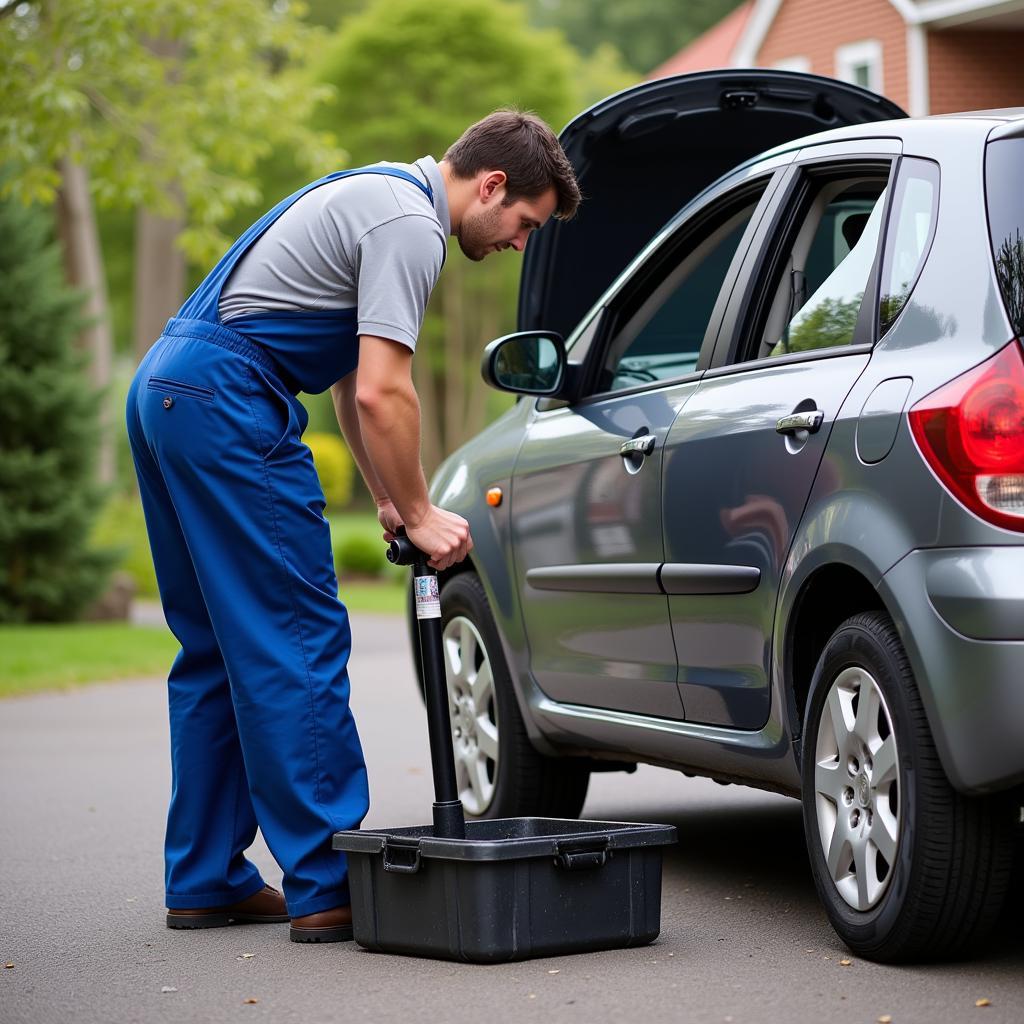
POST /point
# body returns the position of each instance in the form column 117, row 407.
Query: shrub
column 360, row 555
column 333, row 465
column 122, row 526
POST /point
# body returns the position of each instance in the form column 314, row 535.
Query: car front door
column 742, row 455
column 586, row 493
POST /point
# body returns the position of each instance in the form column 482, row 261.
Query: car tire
column 906, row 867
column 518, row 781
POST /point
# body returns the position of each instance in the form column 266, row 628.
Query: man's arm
column 379, row 414
column 343, row 394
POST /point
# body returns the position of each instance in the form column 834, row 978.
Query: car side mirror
column 526, row 363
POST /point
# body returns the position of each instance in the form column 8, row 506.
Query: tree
column 1010, row 272
column 645, row 32
column 48, row 421
column 829, row 323
column 159, row 105
column 409, row 77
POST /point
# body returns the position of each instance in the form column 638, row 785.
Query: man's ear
column 492, row 185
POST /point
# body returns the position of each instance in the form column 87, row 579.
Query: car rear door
column 742, row 455
column 587, row 491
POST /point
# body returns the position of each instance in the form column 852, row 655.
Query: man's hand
column 443, row 535
column 389, row 519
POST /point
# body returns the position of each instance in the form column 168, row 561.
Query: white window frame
column 865, row 52
column 801, row 64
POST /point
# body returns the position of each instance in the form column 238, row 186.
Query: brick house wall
column 817, row 28
column 975, row 70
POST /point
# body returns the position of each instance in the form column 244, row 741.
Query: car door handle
column 643, row 445
column 809, row 421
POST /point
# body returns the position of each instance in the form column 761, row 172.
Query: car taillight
column 971, row 432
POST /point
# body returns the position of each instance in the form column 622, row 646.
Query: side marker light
column 494, row 496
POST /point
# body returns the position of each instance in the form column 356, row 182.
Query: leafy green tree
column 646, row 32
column 409, row 77
column 48, row 422
column 156, row 96
column 162, row 106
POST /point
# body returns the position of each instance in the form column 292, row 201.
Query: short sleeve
column 397, row 266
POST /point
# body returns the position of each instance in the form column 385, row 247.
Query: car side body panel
column 885, row 518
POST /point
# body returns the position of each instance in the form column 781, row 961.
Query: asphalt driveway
column 83, row 789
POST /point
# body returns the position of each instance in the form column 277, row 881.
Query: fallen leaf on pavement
column 8, row 965
column 885, row 1019
column 246, row 956
column 982, row 1002
column 250, row 1000
column 168, row 988
column 845, row 963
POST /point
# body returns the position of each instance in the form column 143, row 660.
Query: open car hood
column 642, row 154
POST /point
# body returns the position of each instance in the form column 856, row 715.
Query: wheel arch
column 826, row 597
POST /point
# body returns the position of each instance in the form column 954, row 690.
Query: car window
column 819, row 282
column 1004, row 168
column 662, row 333
column 911, row 226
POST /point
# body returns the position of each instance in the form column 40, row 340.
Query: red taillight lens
column 971, row 432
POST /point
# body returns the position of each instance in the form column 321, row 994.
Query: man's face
column 490, row 226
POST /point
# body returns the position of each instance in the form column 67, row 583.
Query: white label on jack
column 428, row 600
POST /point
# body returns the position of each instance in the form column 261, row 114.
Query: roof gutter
column 952, row 12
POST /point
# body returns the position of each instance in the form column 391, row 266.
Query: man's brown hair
column 526, row 149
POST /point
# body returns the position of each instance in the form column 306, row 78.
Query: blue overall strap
column 203, row 303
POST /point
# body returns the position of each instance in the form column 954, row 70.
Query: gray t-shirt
column 369, row 241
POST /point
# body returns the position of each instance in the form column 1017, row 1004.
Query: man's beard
column 478, row 235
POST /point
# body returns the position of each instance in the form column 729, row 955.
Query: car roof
column 971, row 122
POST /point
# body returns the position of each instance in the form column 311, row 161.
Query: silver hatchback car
column 759, row 515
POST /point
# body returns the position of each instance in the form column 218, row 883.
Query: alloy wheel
column 857, row 788
column 473, row 712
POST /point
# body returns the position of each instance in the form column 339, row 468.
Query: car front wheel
column 906, row 867
column 498, row 771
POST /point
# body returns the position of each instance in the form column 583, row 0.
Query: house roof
column 712, row 49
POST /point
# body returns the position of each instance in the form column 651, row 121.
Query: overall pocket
column 280, row 417
column 179, row 387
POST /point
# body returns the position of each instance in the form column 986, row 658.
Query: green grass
column 54, row 657
column 47, row 657
column 374, row 598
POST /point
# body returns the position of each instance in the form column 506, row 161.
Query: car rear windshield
column 1004, row 171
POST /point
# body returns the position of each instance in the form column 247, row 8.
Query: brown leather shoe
column 334, row 925
column 264, row 907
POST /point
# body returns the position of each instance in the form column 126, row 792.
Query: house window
column 861, row 64
column 802, row 64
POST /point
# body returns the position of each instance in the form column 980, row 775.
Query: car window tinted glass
column 1004, row 171
column 911, row 225
column 817, row 296
column 663, row 338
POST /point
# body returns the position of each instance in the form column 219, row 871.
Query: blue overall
column 261, row 730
